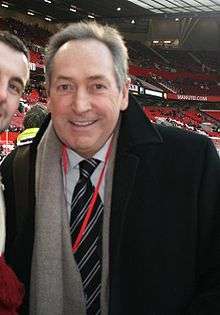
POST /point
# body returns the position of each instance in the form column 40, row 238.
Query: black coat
column 165, row 221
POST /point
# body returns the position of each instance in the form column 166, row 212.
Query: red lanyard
column 90, row 209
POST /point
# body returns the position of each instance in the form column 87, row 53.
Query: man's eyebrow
column 89, row 78
column 62, row 77
column 98, row 77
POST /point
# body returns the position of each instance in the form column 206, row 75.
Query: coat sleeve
column 6, row 170
column 207, row 298
column 2, row 222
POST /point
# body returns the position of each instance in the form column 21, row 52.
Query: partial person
column 32, row 123
column 14, row 74
column 116, row 216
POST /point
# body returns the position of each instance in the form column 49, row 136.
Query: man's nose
column 3, row 92
column 81, row 102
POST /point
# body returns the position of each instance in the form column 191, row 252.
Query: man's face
column 14, row 72
column 84, row 99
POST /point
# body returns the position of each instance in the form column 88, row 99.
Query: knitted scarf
column 56, row 286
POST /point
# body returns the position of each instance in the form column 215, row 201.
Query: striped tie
column 88, row 255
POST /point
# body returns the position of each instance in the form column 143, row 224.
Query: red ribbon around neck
column 91, row 205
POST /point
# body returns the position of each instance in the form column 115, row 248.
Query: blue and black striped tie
column 89, row 253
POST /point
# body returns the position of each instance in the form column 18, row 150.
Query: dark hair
column 35, row 116
column 14, row 42
column 105, row 34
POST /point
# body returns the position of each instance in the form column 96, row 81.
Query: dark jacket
column 165, row 221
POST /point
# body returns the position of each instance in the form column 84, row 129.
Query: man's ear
column 125, row 94
column 47, row 87
column 48, row 104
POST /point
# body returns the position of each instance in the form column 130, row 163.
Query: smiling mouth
column 83, row 123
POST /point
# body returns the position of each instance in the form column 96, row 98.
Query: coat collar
column 136, row 129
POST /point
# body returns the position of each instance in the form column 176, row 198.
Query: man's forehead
column 11, row 50
column 83, row 47
column 14, row 62
column 92, row 60
column 89, row 53
column 83, row 42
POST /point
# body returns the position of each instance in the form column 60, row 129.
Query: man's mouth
column 83, row 123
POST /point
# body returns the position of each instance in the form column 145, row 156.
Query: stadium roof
column 73, row 10
column 128, row 15
column 178, row 6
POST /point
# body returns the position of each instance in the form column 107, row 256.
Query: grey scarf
column 56, row 286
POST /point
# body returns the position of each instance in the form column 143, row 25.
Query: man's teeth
column 82, row 123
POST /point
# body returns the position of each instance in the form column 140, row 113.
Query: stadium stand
column 175, row 72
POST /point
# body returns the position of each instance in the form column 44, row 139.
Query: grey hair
column 107, row 35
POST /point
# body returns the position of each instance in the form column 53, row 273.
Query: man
column 117, row 216
column 32, row 122
column 14, row 74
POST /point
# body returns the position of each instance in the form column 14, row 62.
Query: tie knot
column 87, row 167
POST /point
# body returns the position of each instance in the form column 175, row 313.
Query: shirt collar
column 74, row 158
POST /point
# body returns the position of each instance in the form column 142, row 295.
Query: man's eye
column 100, row 86
column 62, row 88
column 15, row 88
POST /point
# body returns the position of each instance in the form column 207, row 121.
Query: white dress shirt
column 72, row 176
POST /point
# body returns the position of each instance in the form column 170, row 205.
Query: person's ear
column 125, row 94
column 47, row 87
column 48, row 104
